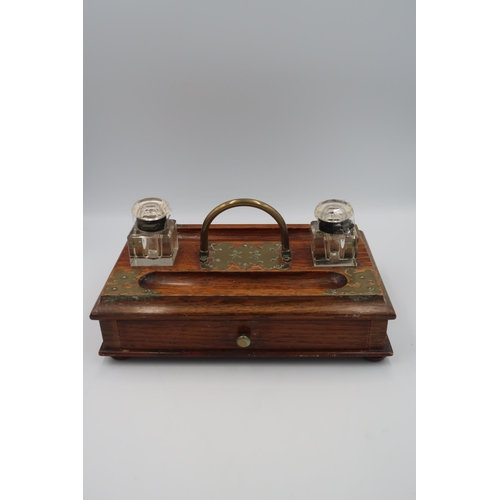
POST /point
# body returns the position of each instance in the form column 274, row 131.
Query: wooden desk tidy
column 233, row 305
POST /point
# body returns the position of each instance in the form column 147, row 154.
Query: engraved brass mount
column 127, row 284
column 359, row 283
column 225, row 255
column 286, row 255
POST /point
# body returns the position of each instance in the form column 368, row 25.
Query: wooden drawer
column 263, row 334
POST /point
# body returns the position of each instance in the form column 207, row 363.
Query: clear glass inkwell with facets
column 334, row 234
column 153, row 238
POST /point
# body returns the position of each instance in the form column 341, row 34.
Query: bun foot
column 120, row 358
column 375, row 358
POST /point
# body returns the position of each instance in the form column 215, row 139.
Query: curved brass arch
column 245, row 202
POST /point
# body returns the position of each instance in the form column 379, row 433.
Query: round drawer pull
column 243, row 341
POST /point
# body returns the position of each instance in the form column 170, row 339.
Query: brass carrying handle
column 286, row 255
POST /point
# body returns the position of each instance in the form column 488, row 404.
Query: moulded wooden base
column 242, row 353
column 186, row 311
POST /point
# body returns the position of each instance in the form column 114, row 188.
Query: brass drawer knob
column 243, row 341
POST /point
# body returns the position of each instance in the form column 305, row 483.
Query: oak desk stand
column 236, row 307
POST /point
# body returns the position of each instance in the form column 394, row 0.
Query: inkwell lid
column 151, row 214
column 334, row 216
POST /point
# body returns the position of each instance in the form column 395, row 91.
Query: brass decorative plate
column 360, row 283
column 224, row 255
column 123, row 284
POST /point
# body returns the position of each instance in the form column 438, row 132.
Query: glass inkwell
column 153, row 238
column 335, row 236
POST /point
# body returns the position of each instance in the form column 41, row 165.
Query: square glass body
column 334, row 249
column 158, row 248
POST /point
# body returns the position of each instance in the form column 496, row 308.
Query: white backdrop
column 291, row 103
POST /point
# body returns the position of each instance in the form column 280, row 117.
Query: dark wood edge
column 136, row 310
column 244, row 353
